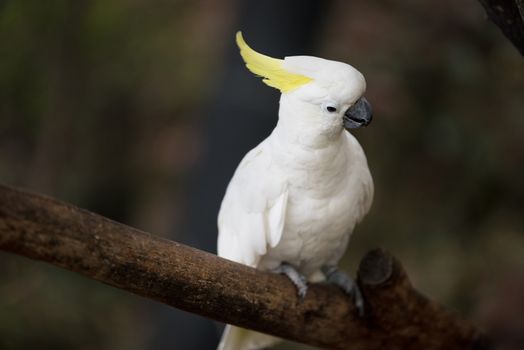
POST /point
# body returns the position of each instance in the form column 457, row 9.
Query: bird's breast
column 319, row 219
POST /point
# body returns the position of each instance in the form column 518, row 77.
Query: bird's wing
column 252, row 214
column 366, row 200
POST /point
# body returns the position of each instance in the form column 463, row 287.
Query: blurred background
column 141, row 110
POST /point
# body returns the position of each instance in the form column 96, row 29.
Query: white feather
column 239, row 338
column 252, row 214
column 297, row 196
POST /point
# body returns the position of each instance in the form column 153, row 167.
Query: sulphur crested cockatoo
column 294, row 199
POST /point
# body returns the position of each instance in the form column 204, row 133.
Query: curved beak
column 358, row 115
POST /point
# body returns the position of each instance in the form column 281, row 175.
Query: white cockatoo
column 294, row 199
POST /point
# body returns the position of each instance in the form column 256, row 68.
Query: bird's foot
column 298, row 280
column 348, row 285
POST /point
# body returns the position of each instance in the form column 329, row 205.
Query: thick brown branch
column 46, row 229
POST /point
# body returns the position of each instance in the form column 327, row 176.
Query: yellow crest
column 270, row 68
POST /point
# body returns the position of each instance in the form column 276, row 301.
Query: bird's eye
column 330, row 107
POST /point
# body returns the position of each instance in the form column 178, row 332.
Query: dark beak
column 358, row 115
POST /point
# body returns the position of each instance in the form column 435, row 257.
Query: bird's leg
column 298, row 280
column 348, row 285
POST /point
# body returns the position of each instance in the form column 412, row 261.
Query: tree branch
column 508, row 15
column 398, row 317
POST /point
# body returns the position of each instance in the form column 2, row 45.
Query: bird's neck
column 299, row 142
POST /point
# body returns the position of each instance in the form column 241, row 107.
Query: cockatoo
column 294, row 199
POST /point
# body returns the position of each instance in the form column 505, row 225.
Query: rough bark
column 508, row 15
column 398, row 317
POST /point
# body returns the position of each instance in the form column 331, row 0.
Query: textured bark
column 508, row 15
column 398, row 317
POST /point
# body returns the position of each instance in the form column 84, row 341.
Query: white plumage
column 297, row 196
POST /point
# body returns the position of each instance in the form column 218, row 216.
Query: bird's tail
column 235, row 338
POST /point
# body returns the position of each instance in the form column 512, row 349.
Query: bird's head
column 325, row 91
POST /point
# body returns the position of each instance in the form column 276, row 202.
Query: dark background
column 141, row 110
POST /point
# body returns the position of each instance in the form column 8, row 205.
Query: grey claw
column 298, row 280
column 302, row 290
column 358, row 299
column 339, row 278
